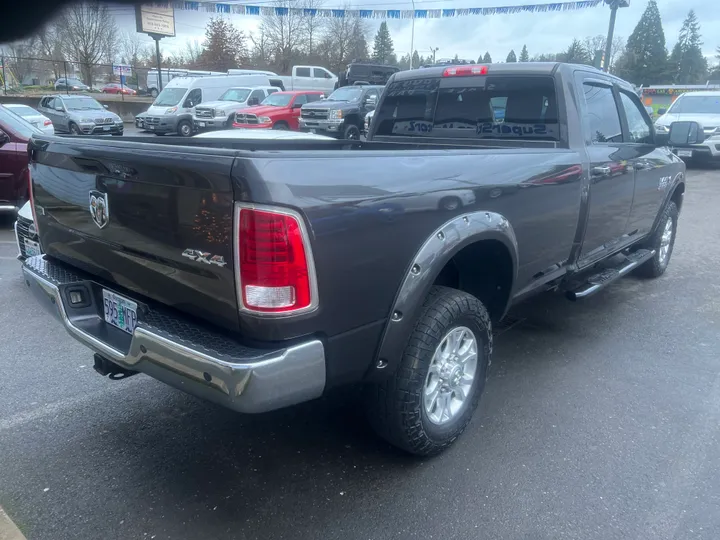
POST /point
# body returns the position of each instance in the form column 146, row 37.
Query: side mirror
column 4, row 138
column 253, row 101
column 59, row 108
column 684, row 133
column 297, row 106
column 661, row 111
column 371, row 102
column 106, row 106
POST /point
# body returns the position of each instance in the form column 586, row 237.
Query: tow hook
column 106, row 368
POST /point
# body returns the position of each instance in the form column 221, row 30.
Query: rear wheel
column 185, row 128
column 352, row 132
column 429, row 400
column 663, row 242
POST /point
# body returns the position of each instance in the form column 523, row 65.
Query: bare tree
column 313, row 27
column 90, row 35
column 193, row 50
column 50, row 49
column 22, row 58
column 593, row 44
column 286, row 35
column 344, row 42
column 618, row 48
column 260, row 55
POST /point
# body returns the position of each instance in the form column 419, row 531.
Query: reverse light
column 274, row 265
column 465, row 71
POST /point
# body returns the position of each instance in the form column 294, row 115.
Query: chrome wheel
column 666, row 242
column 451, row 375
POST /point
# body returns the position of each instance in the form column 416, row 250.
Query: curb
column 8, row 530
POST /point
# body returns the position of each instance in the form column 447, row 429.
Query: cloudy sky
column 470, row 36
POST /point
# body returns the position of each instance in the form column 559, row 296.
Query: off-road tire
column 655, row 267
column 395, row 406
column 351, row 132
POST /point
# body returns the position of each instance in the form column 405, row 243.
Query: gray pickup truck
column 260, row 274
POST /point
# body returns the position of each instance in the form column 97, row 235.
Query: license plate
column 201, row 124
column 31, row 248
column 120, row 312
column 106, row 128
column 684, row 153
column 313, row 131
column 151, row 127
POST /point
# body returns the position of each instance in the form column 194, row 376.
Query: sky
column 471, row 36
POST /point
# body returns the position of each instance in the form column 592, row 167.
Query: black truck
column 261, row 274
column 342, row 114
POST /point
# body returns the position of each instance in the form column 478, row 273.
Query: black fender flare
column 678, row 180
column 444, row 243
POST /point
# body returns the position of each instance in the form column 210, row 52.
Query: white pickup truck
column 310, row 78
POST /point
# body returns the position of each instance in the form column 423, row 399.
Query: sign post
column 157, row 22
column 122, row 71
column 614, row 5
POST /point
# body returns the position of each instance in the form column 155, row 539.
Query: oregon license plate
column 31, row 248
column 684, row 153
column 120, row 312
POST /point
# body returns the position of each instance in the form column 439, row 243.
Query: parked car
column 28, row 243
column 281, row 110
column 264, row 273
column 15, row 132
column 172, row 110
column 80, row 115
column 700, row 107
column 342, row 114
column 219, row 114
column 75, row 85
column 116, row 88
column 310, row 78
column 40, row 121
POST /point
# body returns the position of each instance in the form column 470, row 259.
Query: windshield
column 82, row 104
column 170, row 97
column 17, row 124
column 347, row 93
column 236, row 94
column 23, row 110
column 277, row 100
column 697, row 105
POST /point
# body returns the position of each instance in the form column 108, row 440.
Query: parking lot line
column 8, row 530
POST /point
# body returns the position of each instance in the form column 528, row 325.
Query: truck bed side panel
column 161, row 203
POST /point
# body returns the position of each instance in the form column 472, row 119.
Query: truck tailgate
column 152, row 219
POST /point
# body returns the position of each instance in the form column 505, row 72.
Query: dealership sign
column 155, row 19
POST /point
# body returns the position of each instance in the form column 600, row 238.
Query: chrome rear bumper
column 177, row 352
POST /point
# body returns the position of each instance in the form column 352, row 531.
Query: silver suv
column 700, row 107
column 80, row 115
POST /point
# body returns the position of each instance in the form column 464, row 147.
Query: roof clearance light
column 465, row 71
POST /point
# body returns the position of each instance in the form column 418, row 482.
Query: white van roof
column 219, row 81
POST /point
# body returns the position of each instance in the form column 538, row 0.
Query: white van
column 169, row 74
column 221, row 113
column 172, row 110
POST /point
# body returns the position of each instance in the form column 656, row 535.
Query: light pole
column 434, row 50
column 614, row 5
column 412, row 36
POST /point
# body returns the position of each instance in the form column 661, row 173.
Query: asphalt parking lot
column 600, row 421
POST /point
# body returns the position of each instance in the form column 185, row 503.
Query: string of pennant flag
column 243, row 9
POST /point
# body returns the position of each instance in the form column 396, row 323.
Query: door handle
column 601, row 171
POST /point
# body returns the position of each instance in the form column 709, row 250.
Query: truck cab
column 342, row 114
column 310, row 78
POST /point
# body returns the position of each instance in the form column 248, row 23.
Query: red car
column 115, row 88
column 280, row 110
column 14, row 136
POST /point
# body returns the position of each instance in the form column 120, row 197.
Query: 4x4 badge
column 99, row 208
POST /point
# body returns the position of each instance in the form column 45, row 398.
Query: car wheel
column 450, row 203
column 154, row 92
column 185, row 129
column 426, row 404
column 352, row 133
column 281, row 126
column 74, row 129
column 662, row 241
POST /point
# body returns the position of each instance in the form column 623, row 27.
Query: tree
column 193, row 51
column 716, row 69
column 548, row 57
column 89, row 35
column 285, row 35
column 524, row 56
column 576, row 54
column 416, row 60
column 645, row 59
column 50, row 49
column 487, row 59
column 312, row 27
column 22, row 58
column 225, row 46
column 687, row 63
column 343, row 41
column 511, row 56
column 616, row 51
column 383, row 51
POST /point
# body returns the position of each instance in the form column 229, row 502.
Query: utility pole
column 412, row 37
column 614, row 5
column 157, row 38
column 434, row 50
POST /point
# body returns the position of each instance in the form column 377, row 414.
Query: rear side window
column 300, row 100
column 302, row 72
column 492, row 107
column 313, row 97
column 602, row 119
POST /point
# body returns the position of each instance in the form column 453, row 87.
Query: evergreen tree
column 645, row 58
column 687, row 64
column 224, row 46
column 511, row 56
column 487, row 59
column 416, row 60
column 524, row 56
column 383, row 51
column 576, row 54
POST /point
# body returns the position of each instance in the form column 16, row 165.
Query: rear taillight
column 274, row 263
column 32, row 200
column 47, row 123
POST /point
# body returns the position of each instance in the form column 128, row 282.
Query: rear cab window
column 485, row 107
